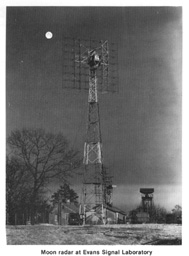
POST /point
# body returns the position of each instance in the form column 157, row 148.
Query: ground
column 128, row 234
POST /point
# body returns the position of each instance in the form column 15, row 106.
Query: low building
column 68, row 214
column 143, row 217
column 138, row 217
column 111, row 215
column 65, row 214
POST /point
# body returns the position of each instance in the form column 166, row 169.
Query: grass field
column 138, row 234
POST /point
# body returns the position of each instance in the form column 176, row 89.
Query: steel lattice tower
column 147, row 199
column 97, row 185
column 93, row 185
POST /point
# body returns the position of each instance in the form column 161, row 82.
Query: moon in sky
column 48, row 35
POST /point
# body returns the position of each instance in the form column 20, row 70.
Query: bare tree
column 158, row 214
column 177, row 210
column 45, row 157
column 177, row 214
column 18, row 188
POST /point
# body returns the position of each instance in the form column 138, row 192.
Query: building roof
column 70, row 207
column 67, row 208
column 146, row 190
column 113, row 209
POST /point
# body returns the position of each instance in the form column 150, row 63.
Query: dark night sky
column 141, row 125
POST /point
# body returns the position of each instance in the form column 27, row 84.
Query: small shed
column 62, row 213
column 105, row 215
column 115, row 215
column 143, row 217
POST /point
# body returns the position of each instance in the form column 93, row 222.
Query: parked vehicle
column 74, row 219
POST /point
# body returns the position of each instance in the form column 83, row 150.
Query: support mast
column 93, row 185
column 85, row 61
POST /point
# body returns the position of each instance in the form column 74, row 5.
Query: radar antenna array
column 92, row 65
column 75, row 71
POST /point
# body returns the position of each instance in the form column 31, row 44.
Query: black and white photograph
column 94, row 127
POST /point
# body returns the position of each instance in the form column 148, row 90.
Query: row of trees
column 35, row 160
column 159, row 214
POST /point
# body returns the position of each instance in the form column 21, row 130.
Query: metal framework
column 147, row 199
column 93, row 185
column 75, row 72
column 90, row 60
